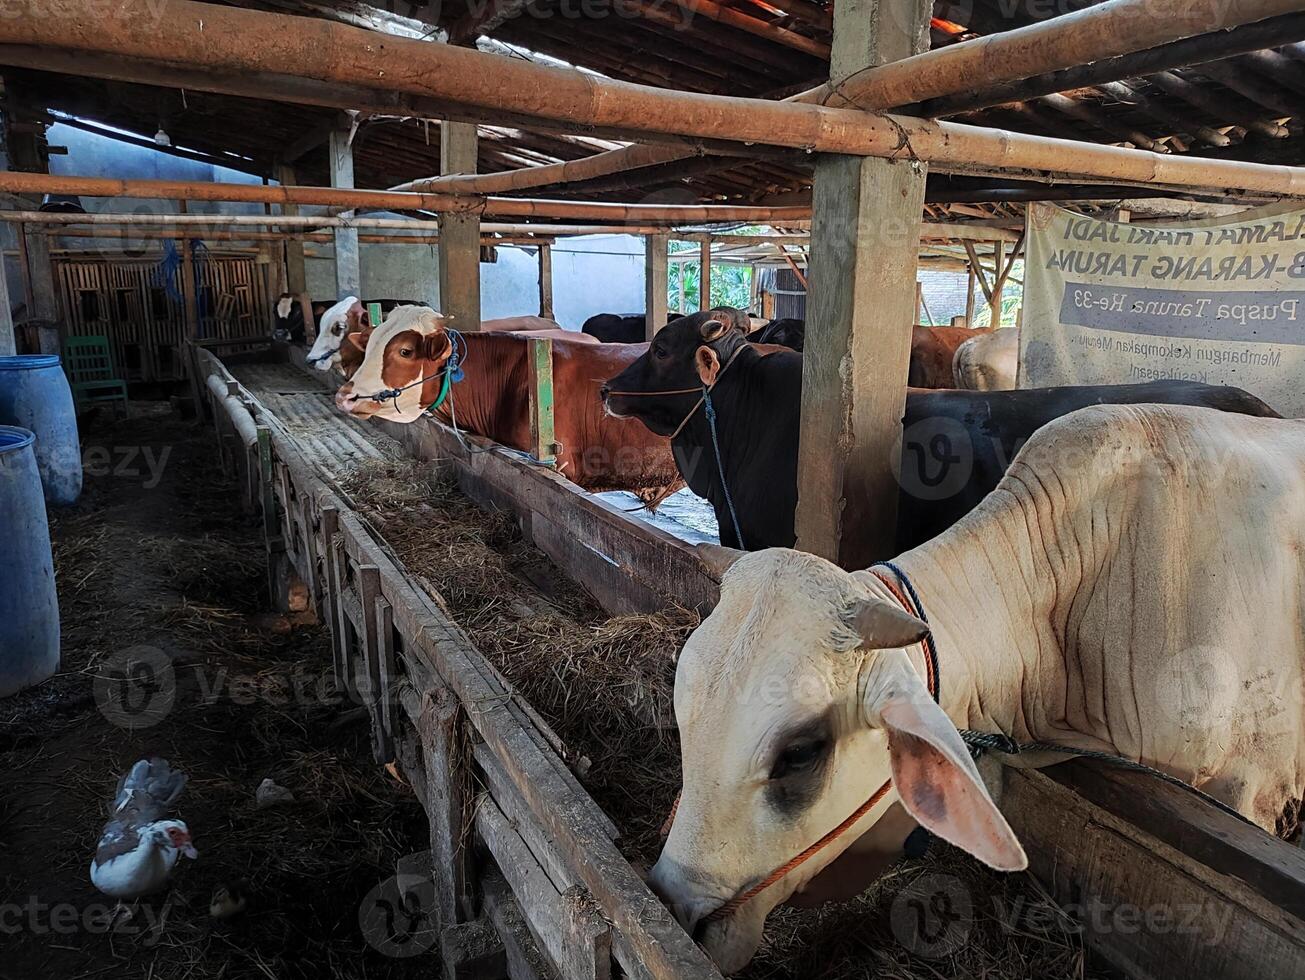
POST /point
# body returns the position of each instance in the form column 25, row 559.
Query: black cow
column 784, row 332
column 621, row 328
column 956, row 444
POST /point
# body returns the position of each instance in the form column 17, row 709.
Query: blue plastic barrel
column 29, row 605
column 34, row 394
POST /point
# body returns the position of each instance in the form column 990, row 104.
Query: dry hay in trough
column 605, row 686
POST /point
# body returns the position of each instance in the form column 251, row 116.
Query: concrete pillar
column 865, row 236
column 654, row 282
column 459, row 248
column 348, row 276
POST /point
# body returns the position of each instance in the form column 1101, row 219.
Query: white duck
column 138, row 848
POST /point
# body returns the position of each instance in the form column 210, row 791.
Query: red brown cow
column 402, row 373
column 932, row 351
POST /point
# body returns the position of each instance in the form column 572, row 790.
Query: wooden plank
column 383, row 736
column 330, row 523
column 1151, row 909
column 543, row 442
column 524, row 960
column 567, row 926
column 446, row 754
column 1268, row 866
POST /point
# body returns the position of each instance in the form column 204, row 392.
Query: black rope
column 980, row 742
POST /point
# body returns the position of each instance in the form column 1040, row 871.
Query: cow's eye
column 405, row 352
column 660, row 352
column 798, row 757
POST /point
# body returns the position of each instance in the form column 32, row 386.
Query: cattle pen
column 873, row 138
column 558, row 897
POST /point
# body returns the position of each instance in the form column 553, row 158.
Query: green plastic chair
column 89, row 366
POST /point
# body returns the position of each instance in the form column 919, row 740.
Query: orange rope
column 741, row 899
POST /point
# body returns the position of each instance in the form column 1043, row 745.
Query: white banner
column 1220, row 301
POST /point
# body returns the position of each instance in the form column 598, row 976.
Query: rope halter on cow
column 906, row 597
column 704, row 399
column 449, row 371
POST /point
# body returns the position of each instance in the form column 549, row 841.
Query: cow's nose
column 669, row 885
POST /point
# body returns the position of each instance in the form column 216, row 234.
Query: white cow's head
column 402, row 370
column 330, row 334
column 796, row 699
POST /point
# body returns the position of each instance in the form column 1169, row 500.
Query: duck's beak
column 188, row 849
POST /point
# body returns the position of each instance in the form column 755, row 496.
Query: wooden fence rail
column 486, row 768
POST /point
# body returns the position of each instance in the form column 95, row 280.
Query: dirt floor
column 158, row 566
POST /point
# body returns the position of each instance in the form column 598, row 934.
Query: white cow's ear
column 932, row 770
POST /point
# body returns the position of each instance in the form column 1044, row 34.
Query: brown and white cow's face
column 796, row 700
column 331, row 331
column 402, row 370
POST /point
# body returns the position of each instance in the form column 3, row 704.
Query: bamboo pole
column 475, row 85
column 126, row 233
column 199, row 190
column 929, row 230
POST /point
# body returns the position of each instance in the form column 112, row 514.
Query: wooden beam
column 483, row 17
column 731, row 17
column 348, row 270
column 655, row 283
column 222, row 40
column 459, row 252
column 859, row 308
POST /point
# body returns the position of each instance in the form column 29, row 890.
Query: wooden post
column 655, row 282
column 189, row 299
column 704, row 281
column 969, row 295
column 546, row 281
column 998, row 284
column 865, row 234
column 8, row 342
column 542, row 439
column 459, row 248
column 23, row 143
column 296, row 280
column 348, row 275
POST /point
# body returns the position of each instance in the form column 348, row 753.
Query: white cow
column 988, row 362
column 1135, row 584
column 332, row 327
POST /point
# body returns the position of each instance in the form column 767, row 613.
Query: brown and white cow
column 1135, row 585
column 594, row 450
column 402, row 368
